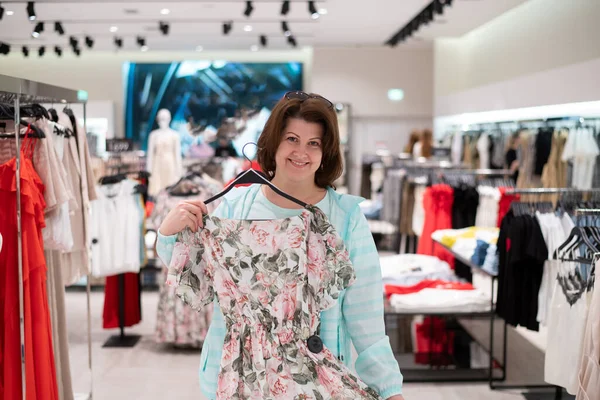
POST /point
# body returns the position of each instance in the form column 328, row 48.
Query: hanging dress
column 40, row 369
column 272, row 279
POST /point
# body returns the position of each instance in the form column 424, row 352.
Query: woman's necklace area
column 279, row 201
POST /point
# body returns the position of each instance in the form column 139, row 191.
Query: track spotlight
column 73, row 42
column 41, row 50
column 292, row 41
column 1, row 11
column 263, row 40
column 4, row 48
column 438, row 7
column 227, row 26
column 164, row 28
column 312, row 9
column 39, row 28
column 119, row 42
column 77, row 51
column 285, row 7
column 249, row 9
column 31, row 11
column 25, row 50
column 58, row 51
column 286, row 29
column 141, row 41
column 89, row 42
column 58, row 28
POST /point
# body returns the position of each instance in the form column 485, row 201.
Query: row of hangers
column 33, row 111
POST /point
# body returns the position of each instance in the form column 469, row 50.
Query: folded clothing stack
column 410, row 269
column 473, row 243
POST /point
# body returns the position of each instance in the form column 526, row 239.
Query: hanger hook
column 244, row 151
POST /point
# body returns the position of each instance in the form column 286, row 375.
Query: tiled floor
column 149, row 371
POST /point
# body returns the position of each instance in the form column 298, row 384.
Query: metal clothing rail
column 551, row 191
column 587, row 211
column 22, row 91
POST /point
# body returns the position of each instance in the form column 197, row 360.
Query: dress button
column 315, row 344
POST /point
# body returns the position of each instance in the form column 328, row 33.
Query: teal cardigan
column 356, row 320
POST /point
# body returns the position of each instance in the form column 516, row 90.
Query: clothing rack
column 552, row 191
column 587, row 211
column 18, row 92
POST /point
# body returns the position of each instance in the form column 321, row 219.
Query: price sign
column 119, row 145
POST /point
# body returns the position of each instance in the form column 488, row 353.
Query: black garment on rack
column 522, row 253
column 464, row 211
column 543, row 145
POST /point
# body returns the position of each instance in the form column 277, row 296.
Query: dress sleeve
column 192, row 269
column 329, row 268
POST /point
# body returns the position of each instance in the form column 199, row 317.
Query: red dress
column 39, row 361
column 437, row 202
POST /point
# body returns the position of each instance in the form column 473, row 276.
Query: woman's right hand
column 186, row 213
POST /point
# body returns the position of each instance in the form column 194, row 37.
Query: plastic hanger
column 253, row 176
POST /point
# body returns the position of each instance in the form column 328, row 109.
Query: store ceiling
column 347, row 23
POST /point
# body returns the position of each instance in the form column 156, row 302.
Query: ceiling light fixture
column 58, row 51
column 89, row 42
column 1, row 11
column 10, row 12
column 164, row 28
column 39, row 28
column 118, row 42
column 312, row 9
column 199, row 48
column 286, row 29
column 248, row 28
column 263, row 40
column 77, row 51
column 426, row 16
column 113, row 29
column 292, row 40
column 141, row 41
column 165, row 11
column 285, row 7
column 227, row 26
column 323, row 11
column 145, row 48
column 31, row 11
column 254, row 48
column 41, row 50
column 73, row 42
column 58, row 28
column 25, row 51
column 438, row 7
column 249, row 9
column 4, row 48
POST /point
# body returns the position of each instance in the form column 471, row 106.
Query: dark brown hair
column 309, row 110
column 415, row 136
column 427, row 141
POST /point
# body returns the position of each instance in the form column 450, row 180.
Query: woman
column 414, row 138
column 424, row 147
column 299, row 150
column 511, row 158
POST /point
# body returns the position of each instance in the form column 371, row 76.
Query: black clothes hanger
column 53, row 115
column 112, row 179
column 253, row 176
column 35, row 132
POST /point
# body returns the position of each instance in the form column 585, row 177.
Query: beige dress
column 163, row 159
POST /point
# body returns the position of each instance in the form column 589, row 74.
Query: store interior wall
column 513, row 51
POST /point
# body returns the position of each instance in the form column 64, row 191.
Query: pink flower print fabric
column 272, row 279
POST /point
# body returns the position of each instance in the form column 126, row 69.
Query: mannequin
column 163, row 159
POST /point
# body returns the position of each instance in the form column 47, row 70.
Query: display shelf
column 466, row 261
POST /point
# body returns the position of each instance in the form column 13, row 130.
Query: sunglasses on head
column 302, row 96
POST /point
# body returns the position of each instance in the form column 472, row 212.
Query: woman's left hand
column 396, row 397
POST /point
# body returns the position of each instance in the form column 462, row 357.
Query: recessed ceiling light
column 323, row 11
column 165, row 11
column 199, row 48
column 254, row 48
column 9, row 12
column 144, row 48
column 396, row 94
column 113, row 29
column 248, row 28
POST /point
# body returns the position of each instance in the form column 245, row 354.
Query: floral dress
column 272, row 279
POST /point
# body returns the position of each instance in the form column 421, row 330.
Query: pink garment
column 437, row 203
